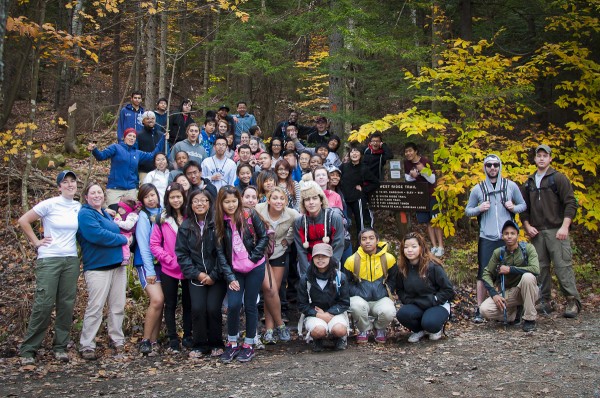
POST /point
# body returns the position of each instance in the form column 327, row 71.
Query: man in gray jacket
column 493, row 201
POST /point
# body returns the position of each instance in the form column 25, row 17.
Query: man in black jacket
column 376, row 155
column 147, row 140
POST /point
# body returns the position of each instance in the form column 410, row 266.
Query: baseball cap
column 510, row 223
column 544, row 148
column 331, row 169
column 61, row 176
column 323, row 249
column 321, row 119
column 224, row 107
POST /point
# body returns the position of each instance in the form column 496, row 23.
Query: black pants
column 206, row 313
column 170, row 287
column 357, row 208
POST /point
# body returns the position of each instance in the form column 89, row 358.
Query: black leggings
column 206, row 313
column 355, row 208
column 170, row 287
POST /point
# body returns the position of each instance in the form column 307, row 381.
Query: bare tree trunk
column 116, row 60
column 137, row 64
column 35, row 74
column 466, row 22
column 3, row 17
column 164, row 30
column 183, row 29
column 436, row 42
column 71, row 136
column 150, row 99
column 336, row 82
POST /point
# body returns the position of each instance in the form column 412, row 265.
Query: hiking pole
column 504, row 297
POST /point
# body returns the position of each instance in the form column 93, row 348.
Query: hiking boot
column 61, row 356
column 188, row 342
column 27, row 361
column 341, row 343
column 435, row 336
column 380, row 336
column 317, row 346
column 572, row 308
column 528, row 326
column 283, row 333
column 268, row 337
column 88, row 354
column 415, row 337
column 478, row 318
column 246, row 353
column 230, row 353
column 145, row 347
column 545, row 307
column 118, row 351
column 362, row 337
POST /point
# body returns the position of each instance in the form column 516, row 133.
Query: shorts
column 141, row 271
column 280, row 261
column 485, row 249
column 424, row 217
column 312, row 322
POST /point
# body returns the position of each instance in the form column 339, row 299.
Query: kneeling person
column 518, row 264
column 323, row 298
column 372, row 272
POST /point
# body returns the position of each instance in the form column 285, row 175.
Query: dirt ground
column 560, row 359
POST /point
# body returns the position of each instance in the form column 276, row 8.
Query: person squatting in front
column 372, row 273
column 241, row 243
column 423, row 288
column 514, row 267
column 324, row 299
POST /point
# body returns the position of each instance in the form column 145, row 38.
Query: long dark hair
column 192, row 216
column 144, row 190
column 289, row 182
column 238, row 216
column 262, row 177
column 169, row 210
column 425, row 256
column 280, row 143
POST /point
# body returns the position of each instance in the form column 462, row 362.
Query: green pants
column 550, row 249
column 56, row 283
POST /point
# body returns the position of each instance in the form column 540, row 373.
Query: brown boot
column 572, row 308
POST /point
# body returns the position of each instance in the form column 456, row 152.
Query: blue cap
column 61, row 176
column 510, row 223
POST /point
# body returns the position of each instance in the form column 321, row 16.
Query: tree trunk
column 466, row 20
column 71, row 136
column 183, row 29
column 150, row 99
column 35, row 74
column 164, row 30
column 137, row 64
column 336, row 82
column 3, row 17
column 437, row 30
column 116, row 60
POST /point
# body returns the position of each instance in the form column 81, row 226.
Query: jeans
column 56, row 284
column 207, row 318
column 250, row 285
column 431, row 320
column 170, row 287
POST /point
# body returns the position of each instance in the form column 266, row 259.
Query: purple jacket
column 162, row 246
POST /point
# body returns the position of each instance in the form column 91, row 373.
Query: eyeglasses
column 220, row 144
column 197, row 202
column 490, row 165
column 276, row 145
column 192, row 173
column 278, row 170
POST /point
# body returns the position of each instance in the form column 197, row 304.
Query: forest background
column 463, row 78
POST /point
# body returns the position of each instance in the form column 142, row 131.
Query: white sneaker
column 440, row 251
column 434, row 250
column 435, row 336
column 415, row 337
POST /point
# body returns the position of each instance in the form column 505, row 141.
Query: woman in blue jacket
column 105, row 277
column 123, row 178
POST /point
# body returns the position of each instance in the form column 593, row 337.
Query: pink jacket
column 334, row 199
column 162, row 246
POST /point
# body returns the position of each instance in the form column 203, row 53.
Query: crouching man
column 372, row 273
column 518, row 264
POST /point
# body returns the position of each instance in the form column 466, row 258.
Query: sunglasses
column 490, row 165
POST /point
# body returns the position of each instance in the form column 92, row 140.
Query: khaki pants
column 525, row 293
column 114, row 195
column 550, row 249
column 382, row 310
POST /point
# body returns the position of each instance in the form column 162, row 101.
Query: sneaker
column 268, row 337
column 317, row 345
column 362, row 337
column 246, row 353
column 258, row 344
column 27, row 361
column 195, row 354
column 528, row 326
column 88, row 354
column 145, row 347
column 283, row 333
column 572, row 308
column 230, row 353
column 174, row 347
column 435, row 336
column 380, row 336
column 434, row 251
column 440, row 252
column 61, row 356
column 341, row 343
column 118, row 351
column 188, row 342
column 478, row 318
column 545, row 307
column 155, row 350
column 415, row 337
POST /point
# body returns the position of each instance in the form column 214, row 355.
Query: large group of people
column 216, row 219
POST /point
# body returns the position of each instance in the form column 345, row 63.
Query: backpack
column 522, row 246
column 338, row 284
column 154, row 219
column 384, row 269
column 503, row 191
column 551, row 185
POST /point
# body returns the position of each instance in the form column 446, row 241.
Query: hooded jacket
column 283, row 229
column 357, row 174
column 434, row 290
column 517, row 266
column 195, row 151
column 147, row 140
column 178, row 125
column 375, row 160
column 124, row 161
column 492, row 220
column 194, row 257
column 129, row 118
column 331, row 299
column 162, row 246
column 371, row 287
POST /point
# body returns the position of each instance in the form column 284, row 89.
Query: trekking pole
column 504, row 297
